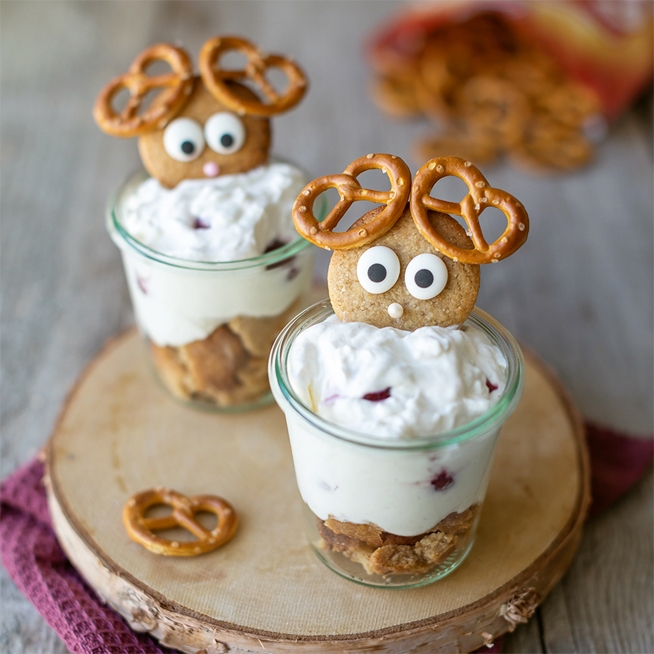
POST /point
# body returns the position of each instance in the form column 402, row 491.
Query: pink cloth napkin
column 32, row 556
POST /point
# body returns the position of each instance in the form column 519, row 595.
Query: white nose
column 395, row 310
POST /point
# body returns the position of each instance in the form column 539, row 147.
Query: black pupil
column 377, row 273
column 424, row 278
column 227, row 140
column 187, row 147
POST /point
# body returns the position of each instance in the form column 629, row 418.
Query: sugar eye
column 425, row 276
column 378, row 269
column 183, row 139
column 225, row 133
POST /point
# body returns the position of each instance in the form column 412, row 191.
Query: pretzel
column 435, row 86
column 549, row 146
column 396, row 96
column 350, row 191
column 482, row 78
column 477, row 146
column 480, row 195
column 570, row 104
column 494, row 108
column 140, row 528
column 217, row 79
column 177, row 86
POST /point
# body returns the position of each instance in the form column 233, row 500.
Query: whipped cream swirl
column 226, row 218
column 223, row 219
column 395, row 384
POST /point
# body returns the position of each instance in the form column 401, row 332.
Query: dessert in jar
column 396, row 389
column 214, row 265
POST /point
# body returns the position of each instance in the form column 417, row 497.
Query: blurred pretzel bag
column 536, row 81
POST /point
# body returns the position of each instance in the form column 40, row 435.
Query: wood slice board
column 265, row 591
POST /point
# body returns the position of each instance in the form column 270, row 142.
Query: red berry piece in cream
column 378, row 396
column 142, row 283
column 292, row 274
column 274, row 245
column 201, row 223
column 442, row 480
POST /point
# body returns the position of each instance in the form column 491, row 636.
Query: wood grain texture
column 119, row 433
column 579, row 293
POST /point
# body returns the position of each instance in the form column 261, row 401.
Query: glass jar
column 209, row 327
column 392, row 513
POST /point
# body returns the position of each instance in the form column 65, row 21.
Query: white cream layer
column 437, row 376
column 403, row 492
column 437, row 380
column 176, row 306
column 240, row 216
column 226, row 218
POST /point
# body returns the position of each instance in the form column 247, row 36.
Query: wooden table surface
column 579, row 293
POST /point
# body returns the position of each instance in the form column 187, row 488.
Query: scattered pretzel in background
column 409, row 263
column 491, row 92
column 195, row 127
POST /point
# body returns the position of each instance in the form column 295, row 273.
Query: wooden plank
column 605, row 603
column 62, row 288
column 580, row 293
column 526, row 638
column 580, row 290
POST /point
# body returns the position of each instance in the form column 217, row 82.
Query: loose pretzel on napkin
column 141, row 529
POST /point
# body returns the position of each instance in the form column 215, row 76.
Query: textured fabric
column 38, row 565
column 617, row 462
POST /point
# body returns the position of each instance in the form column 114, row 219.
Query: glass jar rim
column 121, row 236
column 480, row 426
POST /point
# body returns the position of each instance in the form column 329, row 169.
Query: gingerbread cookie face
column 206, row 140
column 200, row 127
column 409, row 264
column 419, row 271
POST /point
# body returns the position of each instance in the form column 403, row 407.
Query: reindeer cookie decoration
column 407, row 263
column 199, row 127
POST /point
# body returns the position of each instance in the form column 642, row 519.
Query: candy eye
column 183, row 139
column 425, row 276
column 378, row 269
column 225, row 133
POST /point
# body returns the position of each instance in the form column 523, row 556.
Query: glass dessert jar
column 209, row 326
column 392, row 512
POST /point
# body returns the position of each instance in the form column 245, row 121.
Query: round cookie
column 352, row 303
column 201, row 106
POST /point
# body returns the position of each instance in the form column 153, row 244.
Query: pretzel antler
column 480, row 196
column 350, row 191
column 217, row 79
column 176, row 89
